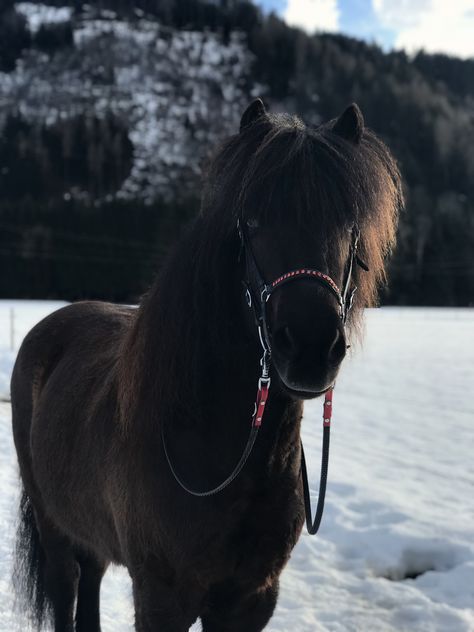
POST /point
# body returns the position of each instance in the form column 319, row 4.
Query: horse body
column 64, row 355
column 97, row 388
column 105, row 494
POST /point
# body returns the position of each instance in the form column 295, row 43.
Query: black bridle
column 258, row 291
column 257, row 294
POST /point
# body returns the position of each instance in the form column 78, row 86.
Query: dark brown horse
column 94, row 383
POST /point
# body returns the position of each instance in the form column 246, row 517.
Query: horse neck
column 199, row 360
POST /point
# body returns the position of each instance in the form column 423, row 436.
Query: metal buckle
column 248, row 297
column 266, row 349
column 351, row 298
column 239, row 229
column 264, row 381
column 266, row 293
column 356, row 237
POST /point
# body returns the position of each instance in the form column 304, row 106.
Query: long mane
column 276, row 166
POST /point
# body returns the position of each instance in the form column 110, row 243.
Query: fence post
column 12, row 328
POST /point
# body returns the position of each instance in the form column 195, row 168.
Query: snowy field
column 400, row 492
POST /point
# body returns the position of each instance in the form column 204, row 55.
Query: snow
column 399, row 498
column 16, row 319
column 38, row 14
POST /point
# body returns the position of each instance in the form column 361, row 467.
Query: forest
column 108, row 110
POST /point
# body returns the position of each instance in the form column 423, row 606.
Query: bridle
column 257, row 294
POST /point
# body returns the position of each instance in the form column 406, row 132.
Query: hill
column 109, row 108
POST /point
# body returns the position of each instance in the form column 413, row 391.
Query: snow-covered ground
column 400, row 491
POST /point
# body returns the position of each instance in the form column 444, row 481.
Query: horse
column 123, row 418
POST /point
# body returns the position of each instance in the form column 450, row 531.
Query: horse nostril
column 323, row 345
column 285, row 342
column 337, row 350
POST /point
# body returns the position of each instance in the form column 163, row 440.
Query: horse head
column 309, row 205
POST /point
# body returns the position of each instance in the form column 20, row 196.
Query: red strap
column 262, row 396
column 327, row 408
column 308, row 272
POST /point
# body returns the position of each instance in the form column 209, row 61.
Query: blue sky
column 358, row 18
column 434, row 25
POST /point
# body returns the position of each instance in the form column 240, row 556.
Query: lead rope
column 347, row 300
column 311, row 526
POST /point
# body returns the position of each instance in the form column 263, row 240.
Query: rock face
column 150, row 100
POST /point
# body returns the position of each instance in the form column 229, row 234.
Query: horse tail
column 29, row 568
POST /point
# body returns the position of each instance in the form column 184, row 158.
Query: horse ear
column 254, row 111
column 350, row 125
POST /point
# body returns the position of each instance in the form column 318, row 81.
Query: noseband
column 257, row 294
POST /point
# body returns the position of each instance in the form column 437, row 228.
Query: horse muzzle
column 308, row 348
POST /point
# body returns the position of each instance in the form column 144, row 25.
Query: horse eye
column 253, row 223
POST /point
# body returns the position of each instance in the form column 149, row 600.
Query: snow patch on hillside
column 39, row 14
column 177, row 91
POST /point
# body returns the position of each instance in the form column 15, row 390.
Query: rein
column 257, row 293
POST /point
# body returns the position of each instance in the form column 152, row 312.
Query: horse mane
column 277, row 167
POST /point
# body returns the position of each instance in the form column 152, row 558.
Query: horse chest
column 257, row 536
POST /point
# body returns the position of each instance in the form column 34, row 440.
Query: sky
column 445, row 26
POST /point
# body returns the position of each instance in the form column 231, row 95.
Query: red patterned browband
column 309, row 273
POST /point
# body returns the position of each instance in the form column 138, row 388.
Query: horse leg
column 159, row 603
column 61, row 574
column 88, row 594
column 231, row 611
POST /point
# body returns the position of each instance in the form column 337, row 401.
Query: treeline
column 47, row 162
column 72, row 250
column 423, row 107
